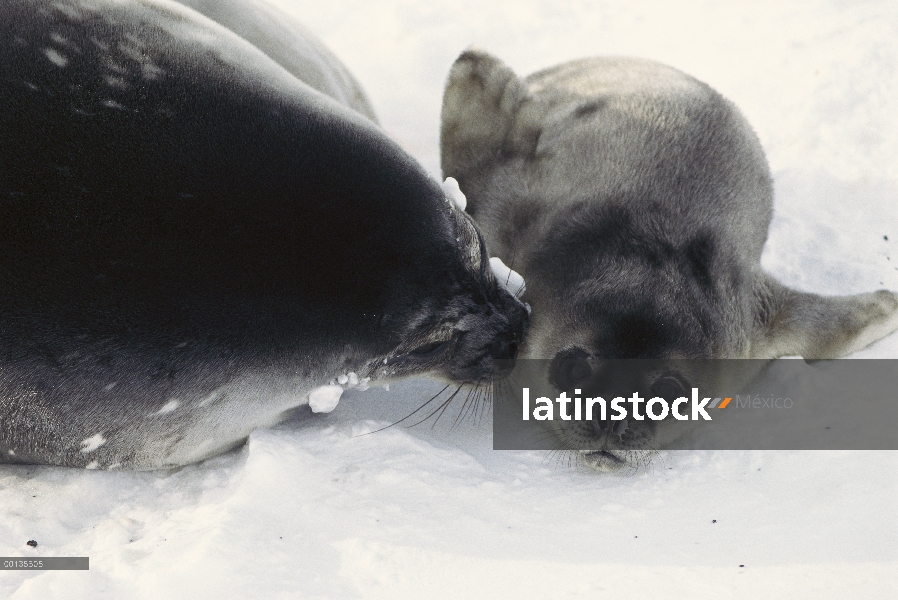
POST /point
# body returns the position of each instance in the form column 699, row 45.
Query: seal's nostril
column 512, row 350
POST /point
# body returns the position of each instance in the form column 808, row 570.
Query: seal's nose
column 512, row 350
column 504, row 355
column 502, row 368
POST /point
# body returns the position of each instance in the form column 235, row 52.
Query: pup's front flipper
column 789, row 322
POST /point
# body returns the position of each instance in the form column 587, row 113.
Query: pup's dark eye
column 570, row 368
column 668, row 388
column 429, row 350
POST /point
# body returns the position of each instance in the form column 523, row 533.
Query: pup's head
column 561, row 185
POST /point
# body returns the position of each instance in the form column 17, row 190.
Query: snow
column 327, row 506
column 510, row 279
column 92, row 443
column 454, row 193
column 324, row 399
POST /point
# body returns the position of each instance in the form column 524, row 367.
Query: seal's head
column 471, row 331
column 630, row 318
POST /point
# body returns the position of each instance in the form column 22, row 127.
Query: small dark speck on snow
column 32, row 543
column 741, row 565
column 885, row 237
column 713, row 520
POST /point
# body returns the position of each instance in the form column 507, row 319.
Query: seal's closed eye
column 570, row 368
column 669, row 388
column 430, row 350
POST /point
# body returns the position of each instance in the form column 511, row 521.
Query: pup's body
column 635, row 201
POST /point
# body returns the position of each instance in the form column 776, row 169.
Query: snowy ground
column 310, row 509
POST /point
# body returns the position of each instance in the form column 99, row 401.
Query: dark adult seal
column 192, row 240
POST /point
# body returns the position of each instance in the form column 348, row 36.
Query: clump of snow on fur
column 170, row 406
column 511, row 280
column 454, row 193
column 92, row 443
column 352, row 381
column 324, row 399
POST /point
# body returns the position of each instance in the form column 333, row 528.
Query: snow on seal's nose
column 510, row 280
column 454, row 193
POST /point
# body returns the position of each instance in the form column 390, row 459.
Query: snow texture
column 326, row 506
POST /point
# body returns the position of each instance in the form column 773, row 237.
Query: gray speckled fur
column 290, row 44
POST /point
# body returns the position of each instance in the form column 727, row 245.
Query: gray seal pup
column 635, row 201
column 193, row 241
